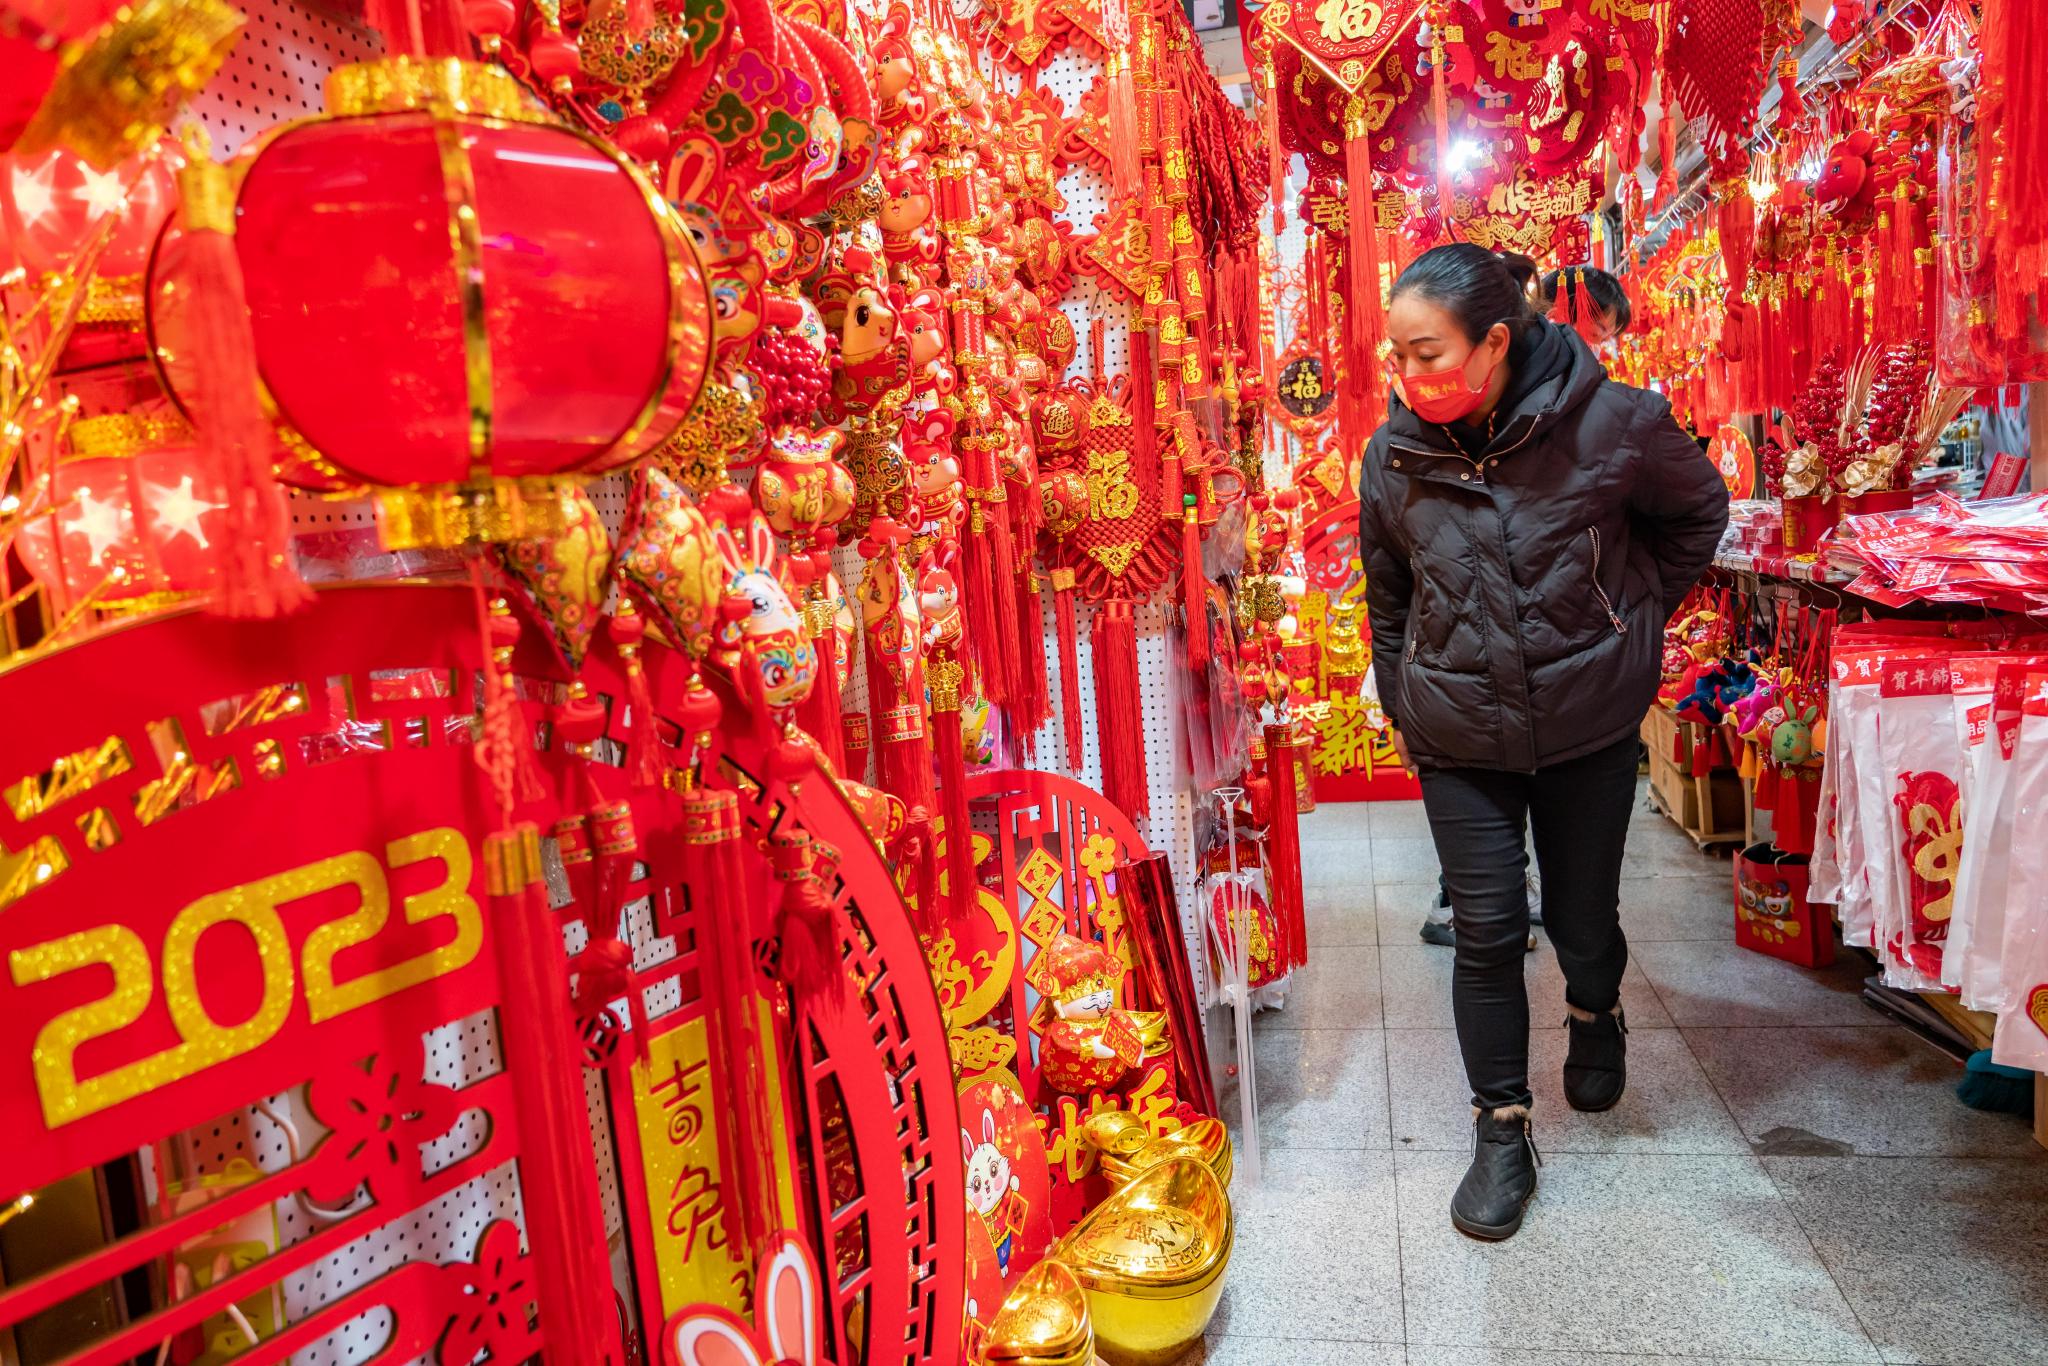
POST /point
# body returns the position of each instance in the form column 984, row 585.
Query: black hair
column 1471, row 284
column 1523, row 268
column 1603, row 289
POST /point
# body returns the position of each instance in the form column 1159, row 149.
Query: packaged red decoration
column 1772, row 913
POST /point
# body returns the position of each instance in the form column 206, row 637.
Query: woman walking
column 1528, row 526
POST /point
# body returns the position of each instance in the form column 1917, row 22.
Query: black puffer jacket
column 1518, row 595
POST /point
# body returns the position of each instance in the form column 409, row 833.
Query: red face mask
column 1442, row 397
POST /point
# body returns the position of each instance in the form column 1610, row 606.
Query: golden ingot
column 1116, row 1133
column 1043, row 1321
column 1151, row 1260
column 1206, row 1141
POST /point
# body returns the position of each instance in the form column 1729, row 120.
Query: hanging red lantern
column 122, row 519
column 53, row 203
column 459, row 301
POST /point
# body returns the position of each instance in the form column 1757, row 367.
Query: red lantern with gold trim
column 124, row 519
column 457, row 300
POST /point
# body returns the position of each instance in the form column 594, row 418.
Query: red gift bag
column 1772, row 914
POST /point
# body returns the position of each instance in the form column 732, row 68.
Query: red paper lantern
column 459, row 301
column 53, row 200
column 132, row 520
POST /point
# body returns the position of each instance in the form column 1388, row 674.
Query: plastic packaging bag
column 2022, row 1036
column 1923, row 836
column 1975, row 955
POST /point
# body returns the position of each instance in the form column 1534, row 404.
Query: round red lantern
column 52, row 203
column 123, row 518
column 459, row 301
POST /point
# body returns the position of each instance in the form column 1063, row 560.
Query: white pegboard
column 277, row 71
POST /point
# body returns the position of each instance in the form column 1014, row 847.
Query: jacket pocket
column 1606, row 603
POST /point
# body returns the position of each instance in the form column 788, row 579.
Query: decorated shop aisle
column 1790, row 1177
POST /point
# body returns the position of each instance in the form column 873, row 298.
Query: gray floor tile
column 1665, row 908
column 1484, row 1356
column 1398, row 820
column 1415, row 986
column 1650, row 1255
column 1337, row 821
column 1946, row 1261
column 1339, row 990
column 1337, row 863
column 1340, row 916
column 1848, row 1092
column 1401, row 909
column 1399, row 858
column 1720, row 985
column 1669, row 1107
column 1242, row 1351
column 1317, row 1256
column 1318, row 1088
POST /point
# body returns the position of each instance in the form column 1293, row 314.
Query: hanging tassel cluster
column 236, row 443
column 2013, row 125
column 1667, row 155
column 716, row 888
column 1119, row 719
column 1358, row 397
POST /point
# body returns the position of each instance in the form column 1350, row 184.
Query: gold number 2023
column 203, row 1041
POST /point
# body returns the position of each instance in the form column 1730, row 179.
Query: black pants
column 1578, row 812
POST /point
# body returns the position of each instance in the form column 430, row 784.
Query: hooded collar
column 1552, row 372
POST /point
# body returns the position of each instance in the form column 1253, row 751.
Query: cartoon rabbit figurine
column 770, row 635
column 993, row 1190
column 787, row 1328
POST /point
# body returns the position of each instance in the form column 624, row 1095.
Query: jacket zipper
column 1414, row 618
column 1620, row 626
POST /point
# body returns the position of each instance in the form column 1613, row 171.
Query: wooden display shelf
column 1713, row 809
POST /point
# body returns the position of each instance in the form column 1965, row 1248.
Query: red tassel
column 2013, row 38
column 1365, row 323
column 952, row 757
column 558, row 1184
column 978, row 598
column 1738, row 232
column 253, row 548
column 1119, row 718
column 645, row 766
column 1070, row 665
column 1667, row 153
column 1003, row 579
column 1283, row 835
column 718, row 892
column 1194, row 586
column 1276, row 155
column 1144, row 409
column 808, row 961
column 505, row 749
column 819, row 715
column 1033, row 707
column 1440, row 116
column 920, row 859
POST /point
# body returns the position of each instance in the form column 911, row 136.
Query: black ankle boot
column 1596, row 1065
column 1502, row 1179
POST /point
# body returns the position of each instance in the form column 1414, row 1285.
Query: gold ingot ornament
column 1043, row 1322
column 1151, row 1259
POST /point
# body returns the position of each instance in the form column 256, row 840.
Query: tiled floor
column 1789, row 1179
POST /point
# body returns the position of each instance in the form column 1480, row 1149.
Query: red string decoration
column 1119, row 722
